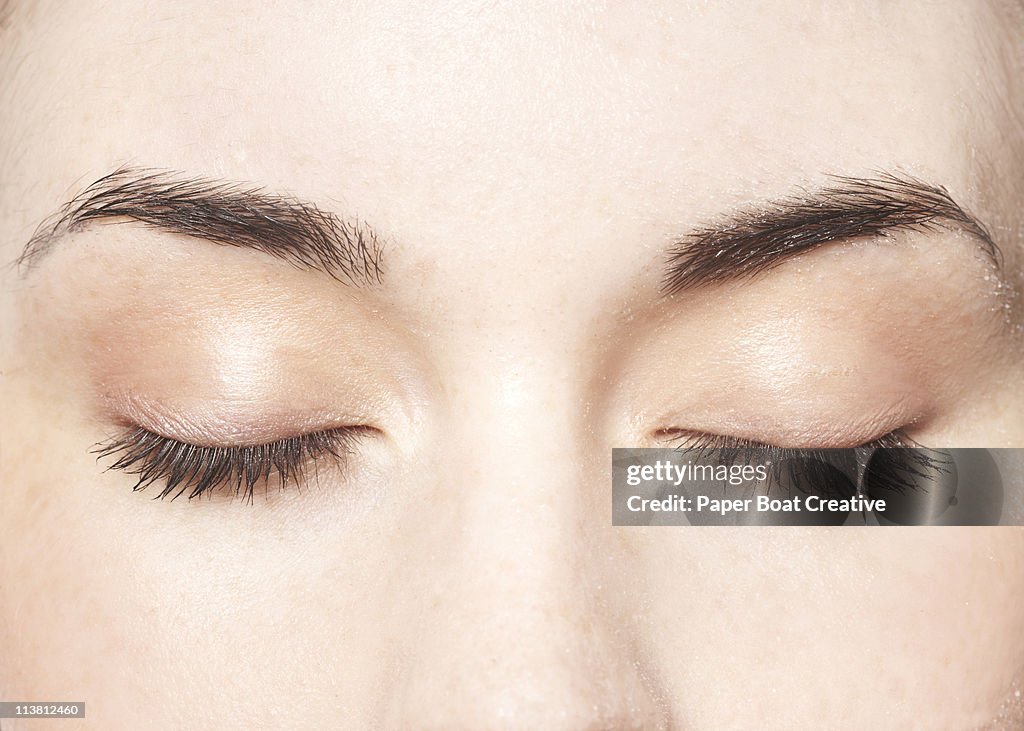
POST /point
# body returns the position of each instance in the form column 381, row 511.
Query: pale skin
column 527, row 167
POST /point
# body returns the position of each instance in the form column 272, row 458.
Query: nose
column 512, row 630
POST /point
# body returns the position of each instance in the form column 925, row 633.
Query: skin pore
column 528, row 171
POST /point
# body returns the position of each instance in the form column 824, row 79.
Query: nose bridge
column 513, row 634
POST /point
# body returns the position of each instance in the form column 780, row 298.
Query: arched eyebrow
column 222, row 212
column 754, row 241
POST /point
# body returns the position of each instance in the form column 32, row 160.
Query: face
column 520, row 178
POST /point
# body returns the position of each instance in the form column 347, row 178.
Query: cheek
column 842, row 617
column 181, row 602
column 67, row 598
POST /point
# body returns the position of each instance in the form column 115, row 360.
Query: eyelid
column 226, row 422
column 823, row 431
column 201, row 469
column 689, row 439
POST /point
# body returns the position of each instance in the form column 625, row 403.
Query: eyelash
column 199, row 470
column 696, row 440
column 810, row 468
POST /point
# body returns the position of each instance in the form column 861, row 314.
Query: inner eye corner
column 359, row 431
column 669, row 433
column 677, row 437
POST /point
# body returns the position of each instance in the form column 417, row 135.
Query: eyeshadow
column 227, row 355
column 829, row 351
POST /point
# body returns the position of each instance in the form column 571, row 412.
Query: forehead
column 494, row 110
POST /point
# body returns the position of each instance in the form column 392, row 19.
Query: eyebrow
column 755, row 241
column 222, row 212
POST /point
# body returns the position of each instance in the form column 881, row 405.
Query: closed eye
column 686, row 439
column 829, row 473
column 179, row 468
